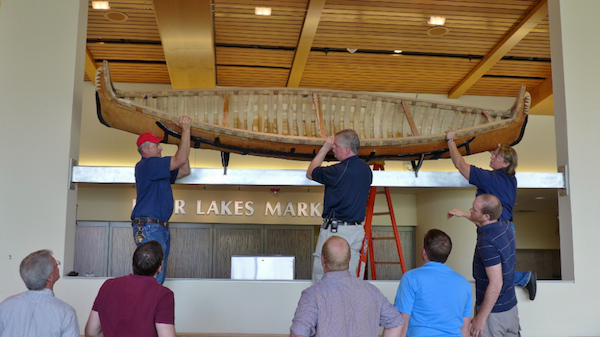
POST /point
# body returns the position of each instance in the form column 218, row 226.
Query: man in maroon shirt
column 136, row 304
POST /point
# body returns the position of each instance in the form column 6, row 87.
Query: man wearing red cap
column 153, row 178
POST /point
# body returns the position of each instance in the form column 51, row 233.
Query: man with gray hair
column 154, row 175
column 37, row 313
column 347, row 186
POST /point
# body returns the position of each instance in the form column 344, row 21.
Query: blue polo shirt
column 495, row 245
column 346, row 188
column 499, row 184
column 436, row 298
column 153, row 185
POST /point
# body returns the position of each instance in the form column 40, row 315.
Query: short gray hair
column 143, row 145
column 349, row 138
column 36, row 268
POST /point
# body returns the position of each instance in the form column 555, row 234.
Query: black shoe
column 531, row 286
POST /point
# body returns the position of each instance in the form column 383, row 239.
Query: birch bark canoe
column 293, row 123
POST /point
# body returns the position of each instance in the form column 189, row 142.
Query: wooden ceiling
column 492, row 46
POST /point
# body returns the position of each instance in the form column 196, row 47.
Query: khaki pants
column 502, row 324
column 354, row 235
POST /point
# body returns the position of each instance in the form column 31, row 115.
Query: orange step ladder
column 368, row 240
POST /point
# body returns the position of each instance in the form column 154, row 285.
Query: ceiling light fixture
column 437, row 20
column 351, row 50
column 100, row 5
column 438, row 28
column 116, row 16
column 397, row 51
column 266, row 11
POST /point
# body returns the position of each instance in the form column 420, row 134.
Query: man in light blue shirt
column 37, row 313
column 434, row 300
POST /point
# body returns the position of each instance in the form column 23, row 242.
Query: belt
column 345, row 223
column 142, row 221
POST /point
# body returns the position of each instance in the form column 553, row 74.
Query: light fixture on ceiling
column 437, row 21
column 438, row 28
column 540, row 198
column 351, row 50
column 116, row 16
column 266, row 11
column 100, row 5
column 397, row 51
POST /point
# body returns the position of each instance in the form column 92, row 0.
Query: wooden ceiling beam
column 309, row 29
column 539, row 13
column 90, row 65
column 186, row 32
column 540, row 94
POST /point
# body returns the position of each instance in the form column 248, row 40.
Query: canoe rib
column 293, row 123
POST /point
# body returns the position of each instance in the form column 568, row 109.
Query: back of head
column 36, row 268
column 336, row 253
column 510, row 156
column 147, row 258
column 490, row 205
column 349, row 138
column 437, row 245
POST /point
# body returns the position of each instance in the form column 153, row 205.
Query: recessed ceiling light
column 437, row 20
column 116, row 16
column 397, row 51
column 540, row 198
column 437, row 31
column 266, row 11
column 100, row 5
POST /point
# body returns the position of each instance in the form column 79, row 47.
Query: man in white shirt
column 36, row 312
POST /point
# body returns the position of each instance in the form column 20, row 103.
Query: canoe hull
column 132, row 116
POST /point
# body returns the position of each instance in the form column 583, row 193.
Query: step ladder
column 368, row 240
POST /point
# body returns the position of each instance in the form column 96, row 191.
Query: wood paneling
column 234, row 241
column 258, row 51
column 90, row 250
column 296, row 242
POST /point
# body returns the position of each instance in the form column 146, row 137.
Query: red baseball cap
column 148, row 137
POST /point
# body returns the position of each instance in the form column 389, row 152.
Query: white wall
column 40, row 106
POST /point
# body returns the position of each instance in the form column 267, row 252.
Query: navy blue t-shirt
column 498, row 184
column 346, row 188
column 153, row 185
column 495, row 245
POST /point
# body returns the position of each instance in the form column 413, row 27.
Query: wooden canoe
column 293, row 123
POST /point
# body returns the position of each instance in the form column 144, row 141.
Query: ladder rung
column 387, row 262
column 383, row 238
column 382, row 213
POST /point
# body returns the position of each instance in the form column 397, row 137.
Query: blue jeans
column 160, row 234
column 521, row 277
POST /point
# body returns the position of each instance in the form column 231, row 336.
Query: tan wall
column 114, row 203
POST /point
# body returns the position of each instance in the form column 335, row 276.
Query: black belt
column 344, row 223
column 142, row 221
column 334, row 223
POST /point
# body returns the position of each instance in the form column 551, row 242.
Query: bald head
column 489, row 205
column 336, row 254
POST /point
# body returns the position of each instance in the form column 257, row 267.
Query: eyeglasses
column 57, row 263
